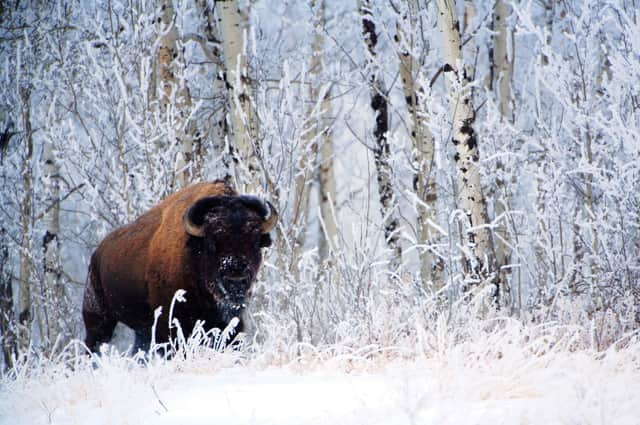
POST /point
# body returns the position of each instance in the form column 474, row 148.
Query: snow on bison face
column 227, row 234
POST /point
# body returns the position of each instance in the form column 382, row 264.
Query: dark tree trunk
column 7, row 317
column 382, row 151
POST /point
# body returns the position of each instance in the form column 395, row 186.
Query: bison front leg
column 98, row 322
column 143, row 340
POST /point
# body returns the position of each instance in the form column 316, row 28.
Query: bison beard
column 204, row 239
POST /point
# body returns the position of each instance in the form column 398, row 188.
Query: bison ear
column 270, row 219
column 265, row 240
column 193, row 219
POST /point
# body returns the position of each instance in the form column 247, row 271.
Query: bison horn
column 192, row 220
column 190, row 227
column 270, row 219
column 264, row 208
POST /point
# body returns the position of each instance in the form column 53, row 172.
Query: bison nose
column 237, row 280
column 236, row 287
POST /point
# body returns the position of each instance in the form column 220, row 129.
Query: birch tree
column 316, row 137
column 381, row 151
column 302, row 187
column 549, row 14
column 541, row 195
column 479, row 251
column 220, row 131
column 423, row 146
column 175, row 97
column 502, row 60
column 326, row 171
column 467, row 32
column 233, row 26
column 327, row 186
column 26, row 213
column 500, row 82
column 56, row 302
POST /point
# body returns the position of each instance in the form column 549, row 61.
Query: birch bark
column 313, row 137
column 502, row 62
column 549, row 9
column 423, row 149
column 220, row 132
column 502, row 72
column 56, row 305
column 382, row 152
column 326, row 174
column 327, row 187
column 176, row 98
column 233, row 26
column 303, row 180
column 480, row 261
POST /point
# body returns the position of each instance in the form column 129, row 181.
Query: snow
column 455, row 387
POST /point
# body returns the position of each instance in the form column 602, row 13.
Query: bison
column 205, row 239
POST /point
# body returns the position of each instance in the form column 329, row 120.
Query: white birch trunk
column 326, row 174
column 480, row 263
column 302, row 188
column 503, row 62
column 467, row 31
column 549, row 15
column 502, row 72
column 175, row 97
column 309, row 150
column 234, row 25
column 327, row 187
column 56, row 306
column 381, row 151
column 220, row 132
column 423, row 149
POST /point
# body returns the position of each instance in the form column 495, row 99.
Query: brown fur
column 140, row 266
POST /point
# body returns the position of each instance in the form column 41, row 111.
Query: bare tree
column 26, row 215
column 502, row 60
column 302, row 189
column 480, row 255
column 55, row 308
column 326, row 171
column 549, row 14
column 500, row 82
column 381, row 151
column 219, row 133
column 313, row 137
column 176, row 98
column 543, row 225
column 327, row 186
column 431, row 267
column 233, row 26
column 7, row 317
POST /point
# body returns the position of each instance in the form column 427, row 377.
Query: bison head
column 227, row 234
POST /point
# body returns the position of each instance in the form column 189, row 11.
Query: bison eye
column 265, row 240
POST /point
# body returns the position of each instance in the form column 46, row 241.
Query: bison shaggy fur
column 205, row 239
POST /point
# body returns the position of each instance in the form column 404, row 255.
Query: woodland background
column 419, row 152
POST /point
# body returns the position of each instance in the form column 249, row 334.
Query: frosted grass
column 496, row 371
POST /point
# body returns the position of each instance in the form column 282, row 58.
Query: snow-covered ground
column 505, row 384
